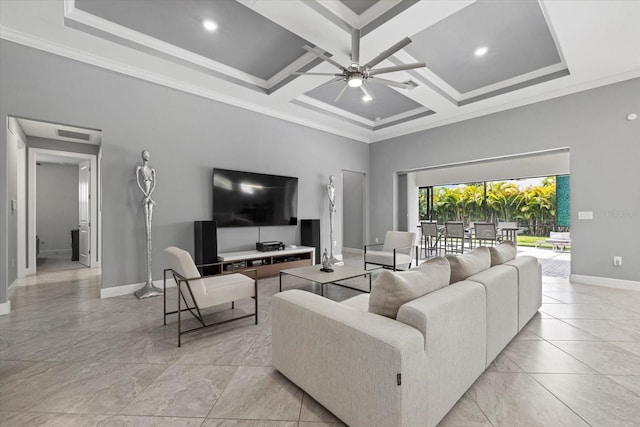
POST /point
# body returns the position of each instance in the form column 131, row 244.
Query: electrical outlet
column 376, row 240
column 13, row 262
column 335, row 243
column 617, row 261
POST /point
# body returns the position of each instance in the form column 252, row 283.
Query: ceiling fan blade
column 355, row 46
column 389, row 82
column 317, row 74
column 397, row 68
column 330, row 82
column 387, row 53
column 322, row 56
column 344, row 89
column 367, row 91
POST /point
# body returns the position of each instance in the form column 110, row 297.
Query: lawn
column 531, row 241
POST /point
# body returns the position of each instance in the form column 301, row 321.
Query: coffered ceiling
column 535, row 50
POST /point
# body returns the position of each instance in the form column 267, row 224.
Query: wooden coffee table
column 340, row 273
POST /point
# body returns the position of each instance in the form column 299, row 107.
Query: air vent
column 73, row 135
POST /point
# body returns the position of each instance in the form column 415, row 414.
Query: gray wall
column 56, row 206
column 604, row 150
column 353, row 208
column 187, row 136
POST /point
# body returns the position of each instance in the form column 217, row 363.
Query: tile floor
column 68, row 358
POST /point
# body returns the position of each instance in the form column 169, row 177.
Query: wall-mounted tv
column 246, row 199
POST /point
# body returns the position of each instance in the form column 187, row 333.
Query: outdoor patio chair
column 485, row 233
column 455, row 236
column 198, row 292
column 430, row 237
column 557, row 239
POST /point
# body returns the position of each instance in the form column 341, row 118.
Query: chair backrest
column 429, row 229
column 181, row 262
column 399, row 239
column 454, row 229
column 560, row 235
column 507, row 224
column 485, row 230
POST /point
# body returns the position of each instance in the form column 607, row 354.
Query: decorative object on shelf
column 326, row 263
column 146, row 180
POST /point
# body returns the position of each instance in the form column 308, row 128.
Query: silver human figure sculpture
column 331, row 192
column 146, row 179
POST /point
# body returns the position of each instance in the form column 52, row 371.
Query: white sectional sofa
column 375, row 370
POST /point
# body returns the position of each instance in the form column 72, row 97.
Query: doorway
column 353, row 216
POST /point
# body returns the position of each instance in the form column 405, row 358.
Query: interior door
column 84, row 215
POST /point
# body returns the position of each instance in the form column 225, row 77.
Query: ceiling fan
column 356, row 75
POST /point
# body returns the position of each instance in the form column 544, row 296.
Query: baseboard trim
column 118, row 291
column 55, row 252
column 605, row 281
column 353, row 251
column 5, row 308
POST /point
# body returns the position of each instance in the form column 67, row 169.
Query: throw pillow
column 390, row 290
column 465, row 265
column 505, row 251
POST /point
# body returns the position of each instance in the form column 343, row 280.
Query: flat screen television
column 247, row 199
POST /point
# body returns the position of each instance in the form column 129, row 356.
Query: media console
column 269, row 264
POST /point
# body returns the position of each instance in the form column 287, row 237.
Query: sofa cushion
column 465, row 265
column 505, row 251
column 392, row 289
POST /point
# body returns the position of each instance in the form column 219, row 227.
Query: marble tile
column 260, row 352
column 588, row 311
column 548, row 300
column 68, row 304
column 543, row 357
column 604, row 357
column 630, row 382
column 517, row 400
column 317, row 424
column 465, row 413
column 16, row 419
column 503, row 364
column 137, row 421
column 9, row 368
column 555, row 329
column 248, row 423
column 30, row 385
column 527, row 335
column 595, row 398
column 182, row 391
column 97, row 388
column 51, row 346
column 223, row 349
column 42, row 321
column 633, row 347
column 134, row 348
column 575, row 298
column 609, row 330
column 9, row 338
column 313, row 411
column 259, row 393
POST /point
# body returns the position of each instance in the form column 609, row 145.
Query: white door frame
column 31, row 195
column 21, row 170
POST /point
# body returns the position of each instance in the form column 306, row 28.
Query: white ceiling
column 597, row 43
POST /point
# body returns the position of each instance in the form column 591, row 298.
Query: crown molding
column 85, row 57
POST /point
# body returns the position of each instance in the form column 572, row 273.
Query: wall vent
column 73, row 135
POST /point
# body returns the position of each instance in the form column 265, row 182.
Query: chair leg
column 255, row 286
column 179, row 317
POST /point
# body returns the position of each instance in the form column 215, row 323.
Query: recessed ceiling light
column 482, row 50
column 367, row 98
column 632, row 116
column 209, row 25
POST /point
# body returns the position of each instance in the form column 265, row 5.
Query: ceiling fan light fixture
column 355, row 81
column 481, row 51
column 209, row 25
